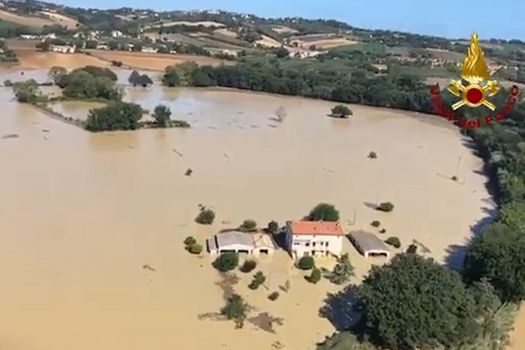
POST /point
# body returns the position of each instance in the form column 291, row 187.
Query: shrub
column 341, row 111
column 383, row 230
column 205, row 217
column 393, row 241
column 385, row 206
column 162, row 115
column 273, row 296
column 306, row 263
column 323, row 212
column 412, row 249
column 342, row 271
column 8, row 83
column 372, row 155
column 248, row 225
column 116, row 63
column 190, row 240
column 248, row 266
column 314, row 277
column 273, row 227
column 258, row 279
column 236, row 309
column 171, row 77
column 195, row 248
column 226, row 262
column 375, row 223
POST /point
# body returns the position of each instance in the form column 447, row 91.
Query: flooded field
column 82, row 213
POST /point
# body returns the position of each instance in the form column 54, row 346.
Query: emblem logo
column 474, row 89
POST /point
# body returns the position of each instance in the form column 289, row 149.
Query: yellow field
column 33, row 21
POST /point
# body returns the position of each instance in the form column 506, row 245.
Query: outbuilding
column 369, row 244
column 240, row 242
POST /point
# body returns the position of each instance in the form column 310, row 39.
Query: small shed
column 369, row 244
column 263, row 244
column 234, row 241
column 240, row 242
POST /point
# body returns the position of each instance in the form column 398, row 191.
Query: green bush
column 323, row 212
column 248, row 266
column 273, row 227
column 205, row 217
column 226, row 262
column 171, row 77
column 341, row 111
column 375, row 223
column 306, row 263
column 115, row 116
column 8, row 83
column 314, row 277
column 372, row 155
column 258, row 279
column 248, row 225
column 393, row 241
column 190, row 240
column 412, row 249
column 273, row 296
column 195, row 248
column 385, row 206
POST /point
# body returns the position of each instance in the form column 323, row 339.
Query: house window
column 313, row 244
column 327, row 244
column 307, row 244
column 296, row 243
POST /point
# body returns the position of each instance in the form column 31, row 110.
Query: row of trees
column 319, row 80
column 119, row 115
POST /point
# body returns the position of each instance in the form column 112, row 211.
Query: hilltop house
column 240, row 242
column 148, row 49
column 314, row 238
column 116, row 34
column 62, row 48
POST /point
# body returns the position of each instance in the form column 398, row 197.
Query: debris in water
column 226, row 156
column 45, row 130
column 148, row 267
column 329, row 170
column 131, row 147
column 10, row 136
column 180, row 154
column 188, row 172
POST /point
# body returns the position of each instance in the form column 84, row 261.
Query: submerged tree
column 162, row 115
column 236, row 309
column 342, row 271
column 324, row 212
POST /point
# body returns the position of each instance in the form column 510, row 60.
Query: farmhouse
column 314, row 238
column 62, row 48
column 240, row 242
column 368, row 244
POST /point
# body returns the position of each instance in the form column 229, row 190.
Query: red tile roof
column 316, row 228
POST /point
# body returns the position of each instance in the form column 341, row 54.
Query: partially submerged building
column 369, row 244
column 240, row 242
column 314, row 238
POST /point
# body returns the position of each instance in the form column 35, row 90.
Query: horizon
column 404, row 15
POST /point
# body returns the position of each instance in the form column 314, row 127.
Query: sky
column 449, row 18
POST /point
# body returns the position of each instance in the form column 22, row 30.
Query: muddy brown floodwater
column 82, row 213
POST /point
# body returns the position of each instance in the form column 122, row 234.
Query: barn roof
column 368, row 242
